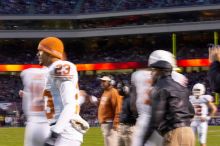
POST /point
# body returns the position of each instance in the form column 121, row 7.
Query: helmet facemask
column 198, row 89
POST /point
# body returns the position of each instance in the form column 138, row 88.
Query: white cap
column 105, row 78
column 162, row 55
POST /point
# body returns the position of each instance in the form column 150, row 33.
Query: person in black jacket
column 214, row 70
column 127, row 116
column 171, row 110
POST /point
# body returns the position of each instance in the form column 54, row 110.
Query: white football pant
column 140, row 127
column 36, row 133
column 200, row 128
column 61, row 141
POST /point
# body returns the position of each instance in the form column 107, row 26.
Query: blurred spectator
column 214, row 70
column 8, row 121
column 89, row 6
column 108, row 22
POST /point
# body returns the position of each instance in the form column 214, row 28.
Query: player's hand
column 202, row 119
column 21, row 93
column 51, row 140
column 115, row 126
column 93, row 99
column 147, row 102
column 79, row 124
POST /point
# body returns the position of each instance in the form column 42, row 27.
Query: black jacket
column 171, row 107
column 127, row 116
column 214, row 76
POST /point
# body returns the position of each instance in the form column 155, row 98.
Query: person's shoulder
column 114, row 89
column 62, row 63
column 163, row 83
column 207, row 97
column 191, row 97
column 62, row 68
column 175, row 84
column 29, row 71
column 172, row 87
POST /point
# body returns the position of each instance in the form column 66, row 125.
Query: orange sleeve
column 116, row 105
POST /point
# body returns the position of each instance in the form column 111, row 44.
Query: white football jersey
column 34, row 82
column 200, row 104
column 142, row 81
column 62, row 86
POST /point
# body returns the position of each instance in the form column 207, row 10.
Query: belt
column 129, row 124
column 106, row 122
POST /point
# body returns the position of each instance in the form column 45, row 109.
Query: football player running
column 62, row 86
column 142, row 82
column 201, row 104
column 37, row 128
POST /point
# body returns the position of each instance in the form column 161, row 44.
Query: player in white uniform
column 201, row 104
column 62, row 86
column 142, row 81
column 37, row 127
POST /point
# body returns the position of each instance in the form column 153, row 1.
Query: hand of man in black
column 52, row 139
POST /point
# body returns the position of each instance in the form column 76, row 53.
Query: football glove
column 79, row 124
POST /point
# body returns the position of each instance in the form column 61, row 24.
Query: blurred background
column 104, row 37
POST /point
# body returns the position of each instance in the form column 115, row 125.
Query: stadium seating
column 89, row 6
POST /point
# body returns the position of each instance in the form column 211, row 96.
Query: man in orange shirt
column 109, row 110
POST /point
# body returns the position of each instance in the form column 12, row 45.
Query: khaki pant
column 182, row 136
column 125, row 133
column 110, row 135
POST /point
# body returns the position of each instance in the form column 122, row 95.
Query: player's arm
column 67, row 94
column 85, row 97
column 213, row 108
column 23, row 94
column 116, row 100
column 158, row 109
column 70, row 113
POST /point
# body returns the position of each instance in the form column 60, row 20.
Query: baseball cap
column 105, row 78
column 163, row 65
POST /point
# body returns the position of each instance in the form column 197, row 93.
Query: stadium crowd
column 90, row 6
column 120, row 21
column 103, row 50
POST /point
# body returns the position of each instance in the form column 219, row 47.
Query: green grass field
column 14, row 137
